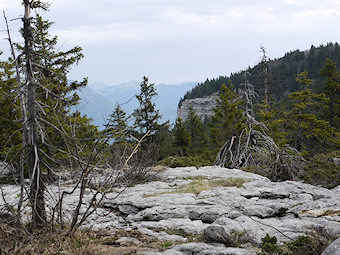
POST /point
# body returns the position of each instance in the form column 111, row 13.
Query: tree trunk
column 36, row 189
column 23, row 118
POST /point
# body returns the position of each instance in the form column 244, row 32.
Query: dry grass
column 198, row 186
column 201, row 183
column 84, row 242
column 14, row 240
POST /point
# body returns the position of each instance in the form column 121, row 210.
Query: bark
column 23, row 118
column 36, row 189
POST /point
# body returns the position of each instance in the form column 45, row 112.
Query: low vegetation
column 303, row 245
column 200, row 183
column 184, row 161
column 198, row 186
column 322, row 170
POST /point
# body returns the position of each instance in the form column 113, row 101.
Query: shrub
column 321, row 170
column 184, row 161
column 302, row 245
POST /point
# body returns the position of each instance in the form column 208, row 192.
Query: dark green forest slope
column 281, row 72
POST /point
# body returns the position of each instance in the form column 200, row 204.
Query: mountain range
column 98, row 100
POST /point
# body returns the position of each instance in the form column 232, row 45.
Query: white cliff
column 202, row 107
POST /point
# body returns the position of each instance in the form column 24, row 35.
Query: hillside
column 282, row 73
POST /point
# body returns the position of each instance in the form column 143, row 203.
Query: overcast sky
column 174, row 41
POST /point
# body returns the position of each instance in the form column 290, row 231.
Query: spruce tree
column 146, row 115
column 332, row 90
column 197, row 133
column 53, row 132
column 182, row 138
column 228, row 117
column 307, row 132
column 10, row 138
column 267, row 113
column 56, row 95
column 117, row 127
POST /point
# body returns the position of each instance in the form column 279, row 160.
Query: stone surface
column 161, row 235
column 333, row 248
column 160, row 211
column 217, row 234
column 206, row 249
column 185, row 226
column 127, row 241
column 336, row 161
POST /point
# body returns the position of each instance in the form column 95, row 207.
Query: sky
column 175, row 41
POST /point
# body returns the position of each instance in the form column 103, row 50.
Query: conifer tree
column 146, row 115
column 197, row 133
column 228, row 118
column 117, row 127
column 9, row 111
column 52, row 130
column 182, row 138
column 332, row 90
column 267, row 113
column 307, row 132
column 55, row 94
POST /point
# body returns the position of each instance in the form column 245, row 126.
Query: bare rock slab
column 333, row 248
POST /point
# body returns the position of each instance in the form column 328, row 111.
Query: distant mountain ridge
column 282, row 73
column 98, row 100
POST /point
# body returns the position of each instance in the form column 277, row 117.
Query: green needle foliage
column 228, row 118
column 332, row 90
column 198, row 135
column 146, row 115
column 182, row 138
column 117, row 127
column 306, row 130
column 59, row 128
column 10, row 135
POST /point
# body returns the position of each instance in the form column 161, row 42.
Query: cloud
column 8, row 4
column 181, row 17
column 199, row 36
column 122, row 32
column 294, row 2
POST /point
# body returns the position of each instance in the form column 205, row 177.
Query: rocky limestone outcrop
column 213, row 217
column 201, row 106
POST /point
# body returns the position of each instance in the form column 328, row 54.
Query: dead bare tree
column 22, row 100
column 255, row 148
column 37, row 185
column 265, row 65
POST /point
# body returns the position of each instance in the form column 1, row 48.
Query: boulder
column 333, row 248
column 207, row 249
column 336, row 161
column 217, row 234
column 185, row 226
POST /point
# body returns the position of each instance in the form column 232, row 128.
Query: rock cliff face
column 202, row 107
column 209, row 211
